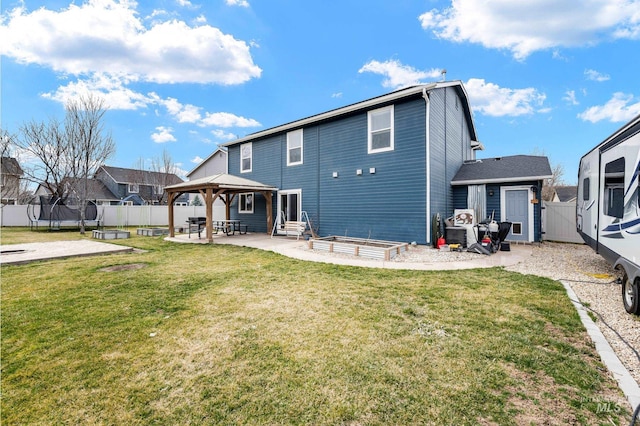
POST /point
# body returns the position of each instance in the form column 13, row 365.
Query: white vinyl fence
column 123, row 216
column 559, row 222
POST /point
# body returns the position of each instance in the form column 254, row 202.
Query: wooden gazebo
column 222, row 186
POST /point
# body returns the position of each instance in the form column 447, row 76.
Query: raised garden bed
column 374, row 249
column 110, row 234
column 152, row 232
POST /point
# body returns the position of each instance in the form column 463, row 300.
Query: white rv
column 608, row 206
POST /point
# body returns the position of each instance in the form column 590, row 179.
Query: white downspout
column 425, row 96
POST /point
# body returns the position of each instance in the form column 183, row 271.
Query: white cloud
column 596, row 76
column 111, row 89
column 225, row 119
column 398, row 75
column 107, row 36
column 570, row 97
column 336, row 95
column 621, row 107
column 493, row 100
column 222, row 135
column 241, row 3
column 184, row 3
column 118, row 97
column 197, row 159
column 163, row 135
column 527, row 26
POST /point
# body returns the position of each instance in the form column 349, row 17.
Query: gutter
column 425, row 96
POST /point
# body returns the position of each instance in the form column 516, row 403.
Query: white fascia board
column 498, row 180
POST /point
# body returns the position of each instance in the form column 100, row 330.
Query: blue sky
column 543, row 76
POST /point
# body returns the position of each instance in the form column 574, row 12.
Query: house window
column 246, row 203
column 158, row 189
column 246, row 156
column 614, row 188
column 134, row 188
column 294, row 148
column 380, row 122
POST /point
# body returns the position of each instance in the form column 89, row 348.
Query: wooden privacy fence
column 559, row 223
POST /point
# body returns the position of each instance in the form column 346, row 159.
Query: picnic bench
column 230, row 227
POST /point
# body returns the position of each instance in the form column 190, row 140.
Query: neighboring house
column 565, row 194
column 507, row 189
column 138, row 187
column 10, row 176
column 379, row 169
column 98, row 192
column 214, row 164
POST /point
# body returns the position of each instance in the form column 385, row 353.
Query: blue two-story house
column 379, row 169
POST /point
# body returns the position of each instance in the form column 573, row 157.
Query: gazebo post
column 209, row 223
column 171, row 198
column 268, row 196
column 227, row 206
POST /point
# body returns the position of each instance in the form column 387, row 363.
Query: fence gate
column 559, row 223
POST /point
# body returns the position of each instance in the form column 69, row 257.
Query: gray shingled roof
column 10, row 166
column 566, row 193
column 503, row 169
column 143, row 177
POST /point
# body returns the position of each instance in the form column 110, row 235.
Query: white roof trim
column 498, row 180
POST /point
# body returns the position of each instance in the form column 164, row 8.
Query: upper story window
column 246, row 157
column 294, row 148
column 158, row 189
column 380, row 125
column 134, row 188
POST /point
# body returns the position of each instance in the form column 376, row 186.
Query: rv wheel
column 631, row 295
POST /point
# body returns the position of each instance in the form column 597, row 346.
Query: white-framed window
column 380, row 128
column 245, row 203
column 158, row 189
column 246, row 157
column 134, row 188
column 294, row 147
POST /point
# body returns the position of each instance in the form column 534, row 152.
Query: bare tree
column 549, row 186
column 67, row 154
column 557, row 173
column 163, row 174
column 45, row 144
column 91, row 146
column 6, row 143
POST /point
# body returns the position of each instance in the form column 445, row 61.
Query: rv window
column 585, row 189
column 614, row 188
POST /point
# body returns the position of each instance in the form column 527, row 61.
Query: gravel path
column 591, row 278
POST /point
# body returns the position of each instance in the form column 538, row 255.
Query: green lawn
column 213, row 334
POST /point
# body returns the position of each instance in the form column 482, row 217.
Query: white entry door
column 517, row 209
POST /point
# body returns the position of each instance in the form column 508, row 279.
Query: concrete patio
column 298, row 249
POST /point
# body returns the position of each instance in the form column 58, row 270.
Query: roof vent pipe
column 444, row 74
